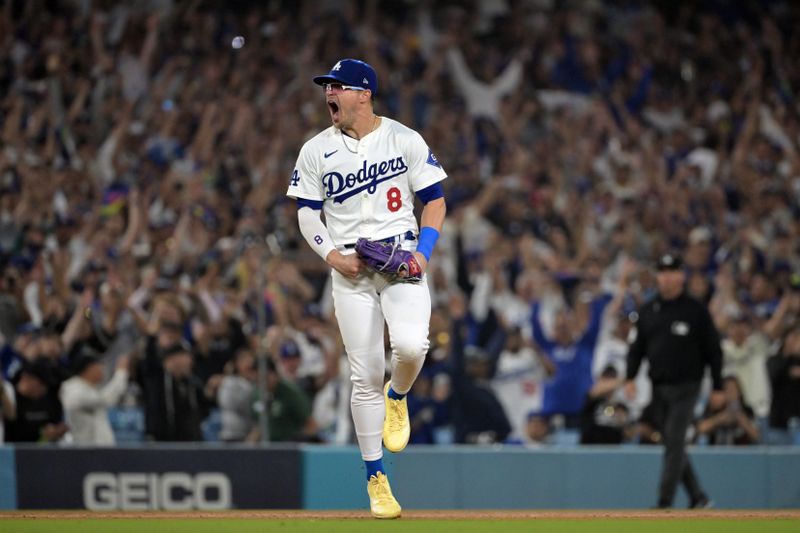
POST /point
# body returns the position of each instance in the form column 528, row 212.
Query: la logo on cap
column 337, row 66
column 365, row 81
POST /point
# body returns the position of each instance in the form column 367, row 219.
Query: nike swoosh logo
column 326, row 156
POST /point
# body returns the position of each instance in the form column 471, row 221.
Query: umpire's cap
column 669, row 262
column 353, row 72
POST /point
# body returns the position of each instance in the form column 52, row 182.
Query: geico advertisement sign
column 170, row 491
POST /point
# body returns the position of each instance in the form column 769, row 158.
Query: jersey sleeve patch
column 432, row 160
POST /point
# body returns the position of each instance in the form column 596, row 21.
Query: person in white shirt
column 235, row 397
column 86, row 400
column 612, row 351
column 483, row 96
column 518, row 380
column 745, row 351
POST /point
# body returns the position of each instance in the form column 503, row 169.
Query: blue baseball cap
column 353, row 72
column 289, row 349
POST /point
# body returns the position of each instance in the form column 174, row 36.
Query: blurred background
column 150, row 259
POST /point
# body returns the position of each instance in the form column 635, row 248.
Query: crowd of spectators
column 149, row 255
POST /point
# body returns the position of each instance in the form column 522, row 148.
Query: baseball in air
column 237, row 42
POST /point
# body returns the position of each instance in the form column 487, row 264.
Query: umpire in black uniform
column 677, row 335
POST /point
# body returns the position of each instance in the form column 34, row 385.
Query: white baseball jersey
column 517, row 384
column 367, row 186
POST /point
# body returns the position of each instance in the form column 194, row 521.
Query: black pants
column 674, row 408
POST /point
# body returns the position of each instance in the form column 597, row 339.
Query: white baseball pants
column 362, row 305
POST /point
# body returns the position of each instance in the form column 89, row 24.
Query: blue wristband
column 427, row 240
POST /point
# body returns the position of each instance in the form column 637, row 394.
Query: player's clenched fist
column 390, row 260
column 349, row 266
column 421, row 261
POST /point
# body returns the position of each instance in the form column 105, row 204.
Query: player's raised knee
column 410, row 349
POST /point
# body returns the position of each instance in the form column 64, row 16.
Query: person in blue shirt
column 571, row 352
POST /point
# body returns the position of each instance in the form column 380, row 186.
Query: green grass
column 375, row 526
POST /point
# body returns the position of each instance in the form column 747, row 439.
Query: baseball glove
column 390, row 260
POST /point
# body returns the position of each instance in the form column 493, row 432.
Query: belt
column 407, row 236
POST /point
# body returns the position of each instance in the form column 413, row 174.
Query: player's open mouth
column 334, row 108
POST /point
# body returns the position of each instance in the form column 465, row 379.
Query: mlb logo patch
column 432, row 160
column 680, row 329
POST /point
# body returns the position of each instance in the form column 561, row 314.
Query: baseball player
column 364, row 173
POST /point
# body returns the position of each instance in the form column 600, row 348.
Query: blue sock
column 373, row 467
column 395, row 395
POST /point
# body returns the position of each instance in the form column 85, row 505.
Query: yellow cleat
column 381, row 501
column 396, row 427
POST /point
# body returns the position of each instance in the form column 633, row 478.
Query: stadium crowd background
column 143, row 223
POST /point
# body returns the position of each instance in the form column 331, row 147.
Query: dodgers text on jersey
column 341, row 187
